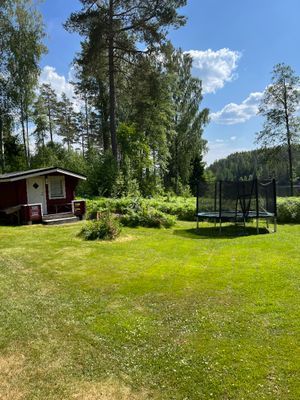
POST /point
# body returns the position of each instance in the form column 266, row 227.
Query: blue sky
column 234, row 43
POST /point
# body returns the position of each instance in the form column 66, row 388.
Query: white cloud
column 234, row 113
column 218, row 150
column 233, row 138
column 72, row 75
column 215, row 68
column 59, row 83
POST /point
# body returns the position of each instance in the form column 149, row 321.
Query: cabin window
column 57, row 189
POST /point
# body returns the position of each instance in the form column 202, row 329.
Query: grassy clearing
column 158, row 314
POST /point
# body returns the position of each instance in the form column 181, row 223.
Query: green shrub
column 117, row 206
column 182, row 208
column 106, row 228
column 150, row 218
column 131, row 219
column 289, row 210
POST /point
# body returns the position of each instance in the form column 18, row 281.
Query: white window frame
column 62, row 178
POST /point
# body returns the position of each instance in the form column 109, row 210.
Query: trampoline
column 237, row 202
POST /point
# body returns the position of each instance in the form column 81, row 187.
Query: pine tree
column 115, row 27
column 50, row 104
column 279, row 106
column 197, row 173
column 39, row 117
column 66, row 121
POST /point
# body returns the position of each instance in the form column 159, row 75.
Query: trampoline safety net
column 236, row 201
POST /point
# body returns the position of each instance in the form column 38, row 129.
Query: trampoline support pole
column 197, row 203
column 257, row 206
column 275, row 205
column 220, row 206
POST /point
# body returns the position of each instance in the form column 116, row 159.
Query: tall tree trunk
column 103, row 105
column 50, row 124
column 105, row 134
column 290, row 166
column 86, row 122
column 288, row 134
column 24, row 135
column 27, row 141
column 112, row 89
column 2, row 155
column 82, row 145
column 176, row 168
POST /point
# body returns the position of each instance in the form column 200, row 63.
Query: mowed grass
column 158, row 314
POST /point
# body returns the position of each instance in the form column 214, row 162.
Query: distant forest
column 262, row 163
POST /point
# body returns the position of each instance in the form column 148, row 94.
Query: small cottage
column 42, row 194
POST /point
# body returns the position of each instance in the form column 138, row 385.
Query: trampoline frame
column 220, row 216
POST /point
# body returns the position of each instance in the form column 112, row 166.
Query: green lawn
column 159, row 314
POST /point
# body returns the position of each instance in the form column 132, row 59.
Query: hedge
column 180, row 207
column 289, row 210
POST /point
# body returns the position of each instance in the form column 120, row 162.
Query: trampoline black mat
column 234, row 216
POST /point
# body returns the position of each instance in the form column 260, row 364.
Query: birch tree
column 26, row 48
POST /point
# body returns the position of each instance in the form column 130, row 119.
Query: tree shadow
column 227, row 232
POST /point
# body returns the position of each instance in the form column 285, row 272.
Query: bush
column 289, row 210
column 131, row 219
column 150, row 218
column 106, row 228
column 182, row 208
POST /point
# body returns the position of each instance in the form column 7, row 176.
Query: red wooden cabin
column 42, row 194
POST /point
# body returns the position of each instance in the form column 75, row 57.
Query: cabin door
column 36, row 193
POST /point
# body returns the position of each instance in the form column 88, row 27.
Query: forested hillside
column 264, row 164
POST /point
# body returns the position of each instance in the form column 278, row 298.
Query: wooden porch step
column 61, row 218
column 58, row 215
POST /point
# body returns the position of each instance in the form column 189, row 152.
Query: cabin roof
column 17, row 176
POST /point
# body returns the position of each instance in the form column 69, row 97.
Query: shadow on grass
column 227, row 232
